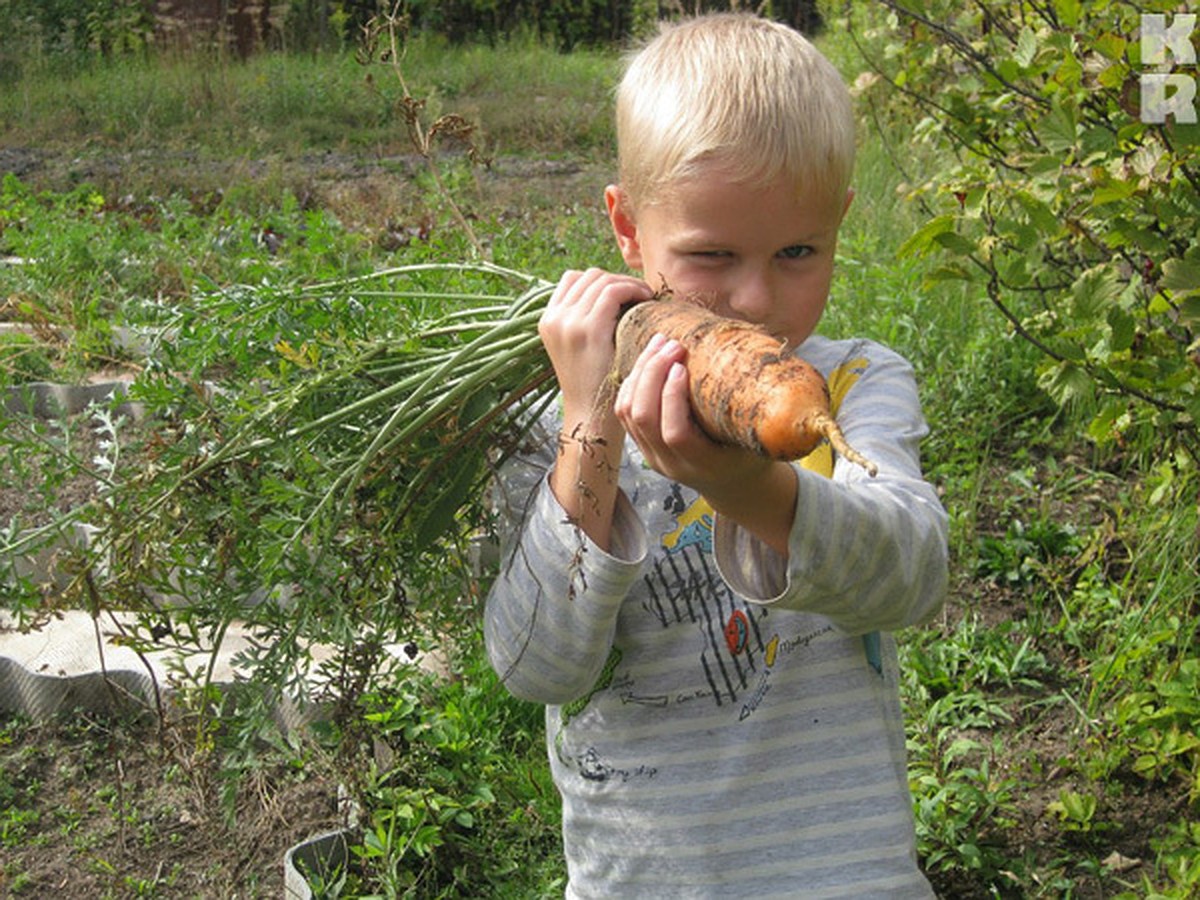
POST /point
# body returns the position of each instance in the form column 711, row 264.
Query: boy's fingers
column 584, row 309
column 676, row 418
column 640, row 399
column 595, row 286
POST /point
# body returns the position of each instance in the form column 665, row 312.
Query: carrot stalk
column 747, row 389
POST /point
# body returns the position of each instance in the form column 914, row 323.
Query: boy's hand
column 577, row 329
column 654, row 407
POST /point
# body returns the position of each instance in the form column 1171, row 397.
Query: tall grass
column 283, row 103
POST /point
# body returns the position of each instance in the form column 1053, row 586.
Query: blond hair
column 750, row 94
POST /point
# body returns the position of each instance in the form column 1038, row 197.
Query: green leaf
column 1094, row 291
column 1079, row 808
column 1124, row 232
column 1113, row 77
column 955, row 243
column 1009, row 70
column 1041, row 216
column 1123, row 328
column 1027, row 47
column 1066, row 383
column 1070, row 73
column 1189, row 311
column 1145, row 764
column 1181, row 276
column 1114, row 190
column 477, row 405
column 1110, row 46
column 441, row 514
column 924, row 239
column 1096, row 140
column 1104, row 428
column 1058, row 129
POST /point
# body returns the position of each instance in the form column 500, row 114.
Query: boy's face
column 762, row 255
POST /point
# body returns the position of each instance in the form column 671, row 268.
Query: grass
column 294, row 104
column 1053, row 722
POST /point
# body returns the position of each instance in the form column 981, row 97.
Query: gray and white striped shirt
column 722, row 722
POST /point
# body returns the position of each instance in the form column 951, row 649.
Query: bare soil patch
column 100, row 807
column 20, row 495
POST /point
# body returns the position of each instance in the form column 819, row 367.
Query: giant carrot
column 747, row 388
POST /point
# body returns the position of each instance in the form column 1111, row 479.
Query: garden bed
column 103, row 806
column 77, row 696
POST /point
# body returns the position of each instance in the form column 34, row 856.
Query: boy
column 707, row 628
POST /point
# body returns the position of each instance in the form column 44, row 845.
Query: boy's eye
column 796, row 251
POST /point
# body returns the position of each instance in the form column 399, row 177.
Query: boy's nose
column 750, row 297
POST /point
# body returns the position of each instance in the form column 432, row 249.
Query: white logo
column 1168, row 94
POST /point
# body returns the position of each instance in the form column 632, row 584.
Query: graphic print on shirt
column 739, row 649
column 685, row 589
column 588, row 762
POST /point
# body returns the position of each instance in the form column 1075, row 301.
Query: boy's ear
column 624, row 226
column 849, row 200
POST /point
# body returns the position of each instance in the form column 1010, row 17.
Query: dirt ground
column 93, row 807
column 18, row 496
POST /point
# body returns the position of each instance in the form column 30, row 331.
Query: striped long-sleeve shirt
column 721, row 721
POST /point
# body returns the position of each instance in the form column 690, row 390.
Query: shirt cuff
column 751, row 568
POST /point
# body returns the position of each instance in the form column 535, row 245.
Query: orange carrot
column 747, row 388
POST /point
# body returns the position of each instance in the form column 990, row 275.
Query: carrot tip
column 833, row 432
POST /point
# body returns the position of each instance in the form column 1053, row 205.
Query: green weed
column 446, row 812
column 296, row 104
column 24, row 359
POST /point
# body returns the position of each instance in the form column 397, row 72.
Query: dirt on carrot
column 747, row 388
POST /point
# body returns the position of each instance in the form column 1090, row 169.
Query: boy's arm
column 550, row 615
column 571, row 544
column 578, row 329
column 584, row 477
column 869, row 553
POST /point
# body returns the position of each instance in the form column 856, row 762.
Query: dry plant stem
column 585, row 476
column 595, row 459
column 394, row 25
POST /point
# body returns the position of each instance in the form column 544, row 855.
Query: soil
column 372, row 191
column 78, row 435
column 96, row 807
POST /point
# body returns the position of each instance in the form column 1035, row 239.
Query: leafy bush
column 444, row 812
column 1062, row 199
